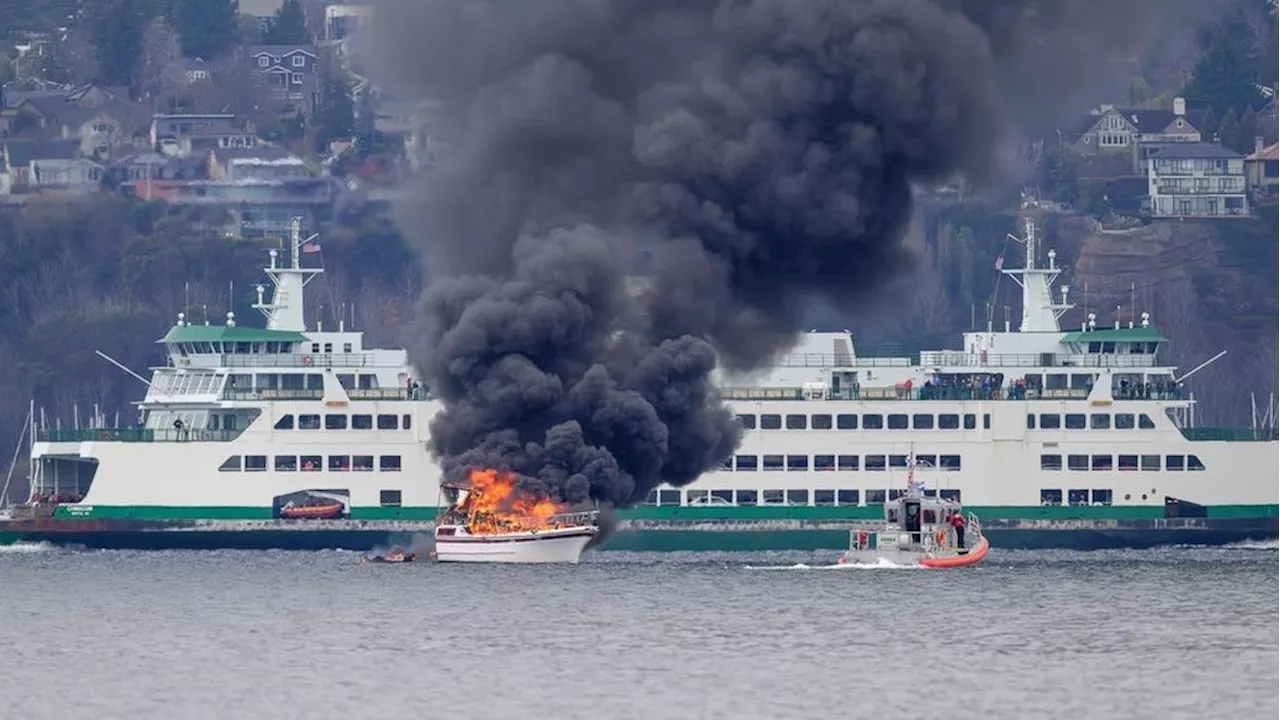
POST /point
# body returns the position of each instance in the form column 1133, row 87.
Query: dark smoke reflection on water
column 758, row 153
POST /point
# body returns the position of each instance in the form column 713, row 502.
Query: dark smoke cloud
column 749, row 155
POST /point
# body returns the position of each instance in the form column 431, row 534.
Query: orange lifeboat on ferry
column 312, row 512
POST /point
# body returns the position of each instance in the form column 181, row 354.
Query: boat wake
column 1273, row 544
column 22, row 548
column 879, row 564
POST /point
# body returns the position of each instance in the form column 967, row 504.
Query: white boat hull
column 560, row 546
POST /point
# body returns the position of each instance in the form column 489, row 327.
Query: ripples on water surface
column 1172, row 633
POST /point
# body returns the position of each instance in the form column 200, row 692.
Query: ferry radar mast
column 285, row 311
column 1039, row 312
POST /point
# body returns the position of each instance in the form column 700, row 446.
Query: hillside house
column 196, row 70
column 1197, row 180
column 1262, row 171
column 288, row 72
column 35, row 165
column 1132, row 134
column 169, row 130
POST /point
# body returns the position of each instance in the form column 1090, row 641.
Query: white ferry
column 1056, row 438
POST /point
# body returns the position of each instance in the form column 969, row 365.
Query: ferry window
column 308, row 422
column 774, row 497
column 285, row 422
column 328, row 348
column 286, row 463
column 773, row 462
column 1127, row 462
column 1050, row 462
column 1031, row 421
column 255, row 463
column 875, row 497
column 872, row 422
column 1050, row 497
column 1050, row 421
column 361, row 422
column 1077, row 462
column 231, row 464
column 847, row 422
column 389, row 498
column 949, row 421
column 1099, row 421
column 387, row 422
column 952, row 494
column 922, row 422
column 894, row 494
column 389, row 463
column 668, row 497
column 1101, row 463
column 949, row 462
column 362, row 463
column 346, row 347
column 315, row 381
column 874, row 462
column 824, row 462
column 1075, row 421
column 847, row 497
column 825, row 498
column 315, row 348
column 727, row 463
column 311, row 463
column 847, row 462
column 797, row 422
column 746, row 463
column 335, row 422
column 725, row 495
column 1077, row 497
column 897, row 422
column 1193, row 463
column 820, row 422
column 748, row 422
column 1101, row 497
column 746, row 497
column 1124, row 421
column 1150, row 462
column 970, row 421
column 406, row 422
column 339, row 463
column 797, row 497
column 986, row 421
column 897, row 461
column 770, row 422
column 1173, row 462
column 1144, row 422
column 927, row 461
column 651, row 498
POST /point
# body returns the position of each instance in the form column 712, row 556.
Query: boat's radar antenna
column 261, row 290
column 1052, row 255
column 1064, row 290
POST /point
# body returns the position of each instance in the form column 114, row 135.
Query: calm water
column 1156, row 634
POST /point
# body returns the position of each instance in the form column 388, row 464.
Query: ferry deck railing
column 939, row 392
column 138, row 435
column 960, row 358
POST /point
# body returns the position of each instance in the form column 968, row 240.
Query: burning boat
column 491, row 520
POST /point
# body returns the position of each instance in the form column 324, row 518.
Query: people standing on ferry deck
column 957, row 522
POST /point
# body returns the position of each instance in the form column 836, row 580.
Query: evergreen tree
column 208, row 28
column 1248, row 131
column 115, row 29
column 336, row 115
column 288, row 26
column 1229, row 130
column 1226, row 71
column 1208, row 125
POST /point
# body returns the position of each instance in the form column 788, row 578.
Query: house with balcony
column 288, row 72
column 168, row 130
column 1262, row 172
column 1128, row 137
column 1197, row 180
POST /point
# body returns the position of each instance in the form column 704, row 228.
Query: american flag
column 1000, row 262
column 310, row 247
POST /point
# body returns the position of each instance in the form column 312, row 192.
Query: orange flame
column 494, row 505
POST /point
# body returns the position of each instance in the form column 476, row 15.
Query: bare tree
column 160, row 73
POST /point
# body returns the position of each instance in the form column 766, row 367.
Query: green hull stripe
column 687, row 514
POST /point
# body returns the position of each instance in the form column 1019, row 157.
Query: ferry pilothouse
column 298, row 437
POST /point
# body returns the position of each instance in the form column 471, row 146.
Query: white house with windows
column 1133, row 134
column 1197, row 180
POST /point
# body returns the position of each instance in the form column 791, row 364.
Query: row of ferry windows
column 870, row 421
column 785, row 497
column 1095, row 421
column 311, row 463
column 752, row 463
column 340, row 422
column 1122, row 462
column 1053, row 497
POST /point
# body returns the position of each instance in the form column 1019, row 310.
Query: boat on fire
column 488, row 521
column 919, row 528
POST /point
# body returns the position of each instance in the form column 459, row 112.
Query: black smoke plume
column 745, row 156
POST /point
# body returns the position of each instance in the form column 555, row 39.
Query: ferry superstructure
column 1078, row 438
